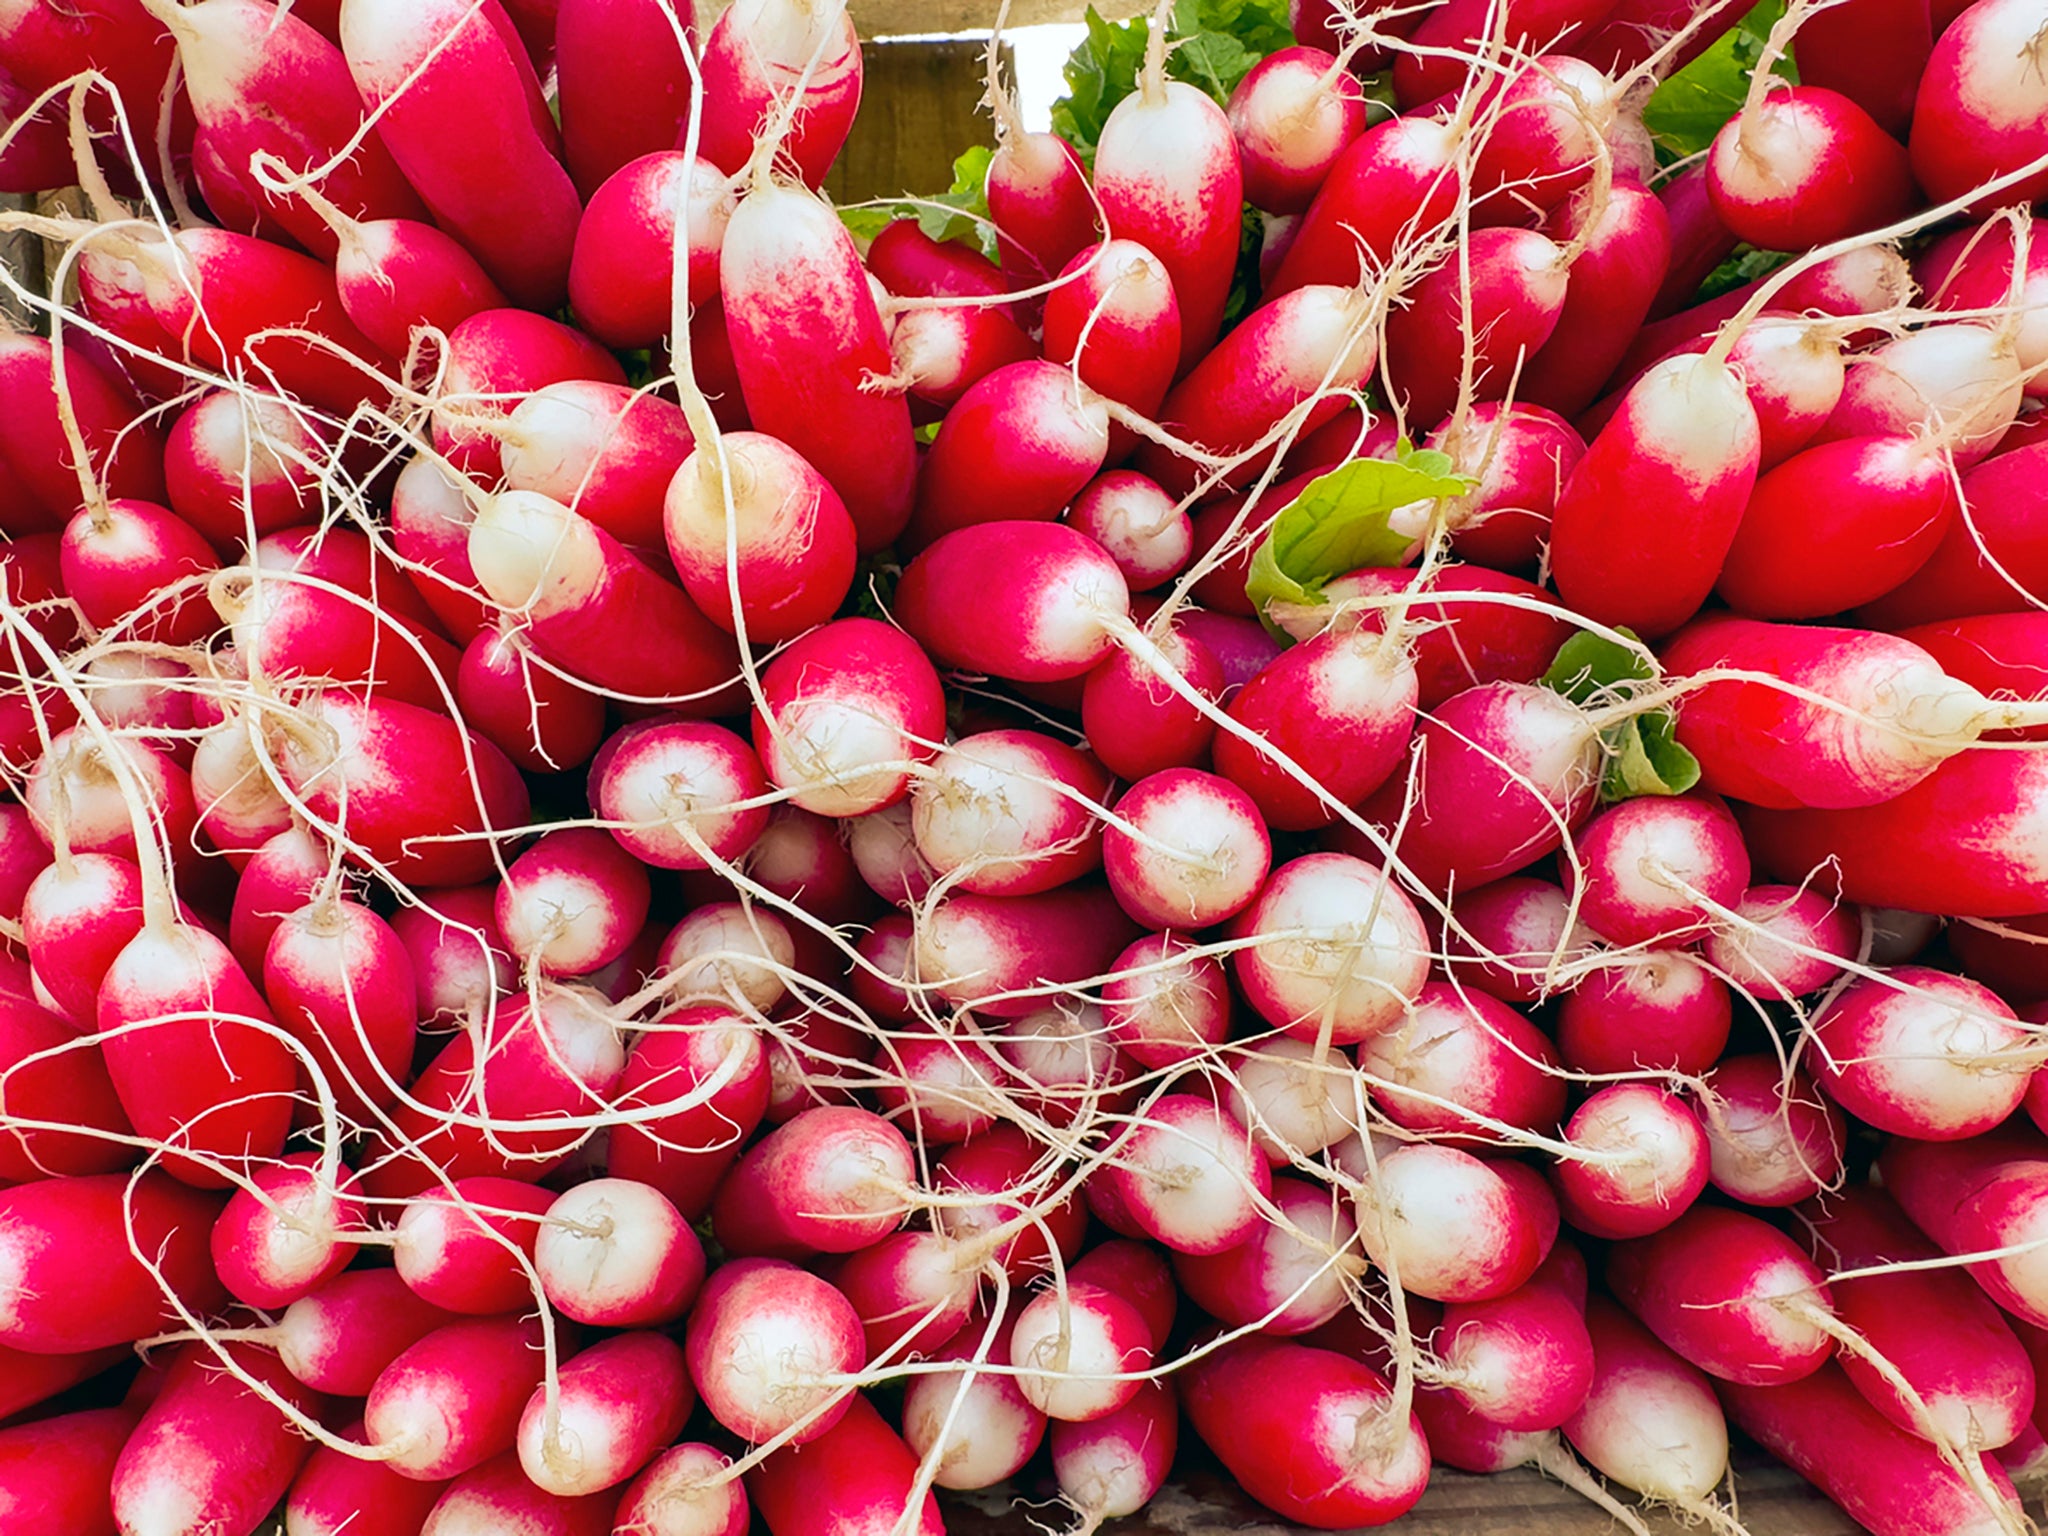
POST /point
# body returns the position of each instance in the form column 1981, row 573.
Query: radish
column 1080, row 1351
column 1614, row 280
column 1292, row 114
column 338, row 1339
column 851, row 708
column 1037, row 189
column 452, row 1401
column 989, row 1189
column 238, row 467
column 619, row 273
column 1523, row 1361
column 1017, row 446
column 1772, row 1139
column 71, row 1277
column 1116, row 320
column 759, row 55
column 1063, row 601
column 1516, row 278
column 1010, row 813
column 1837, row 525
column 1458, row 1054
column 940, row 354
column 731, row 951
column 601, row 450
column 192, row 1049
column 1973, row 269
column 1290, row 1277
column 1519, row 764
column 1806, row 166
column 1642, row 1161
column 458, row 955
column 134, row 567
column 261, row 81
column 1889, row 1482
column 977, row 1429
column 1650, row 1421
column 1520, row 455
column 468, row 1248
column 1885, row 718
column 712, row 1067
column 162, row 1483
column 539, row 719
column 1514, row 938
column 1393, row 185
column 1902, row 852
column 675, row 791
column 287, row 1232
column 497, row 1496
column 1112, row 1467
column 333, row 1488
column 1685, row 439
column 886, row 855
column 805, row 349
column 1166, row 1001
column 1729, row 1293
column 792, row 538
column 125, row 458
column 430, row 521
column 39, row 152
column 767, row 1343
column 1998, row 654
column 1187, row 1174
column 579, row 590
column 1362, row 1460
column 1488, row 1224
column 287, row 629
column 572, row 902
column 1294, row 1100
column 80, row 786
column 1654, row 870
column 1301, row 352
column 282, row 876
column 622, row 83
column 1450, row 33
column 55, row 1473
column 1654, row 1011
column 1977, row 112
column 1781, row 941
column 405, row 789
column 685, row 1491
column 493, row 360
column 428, row 69
column 1922, row 1054
column 1143, row 528
column 1939, row 1333
column 1337, row 951
column 63, row 1117
column 859, row 1476
column 1169, row 869
column 606, row 1416
column 1993, row 555
column 832, row 1180
column 616, row 1254
column 1700, row 242
column 1872, row 51
column 1960, row 380
column 913, row 1291
column 492, row 1101
column 341, row 981
column 1167, row 175
column 1795, row 375
column 1982, row 1195
column 948, row 1093
column 1136, row 722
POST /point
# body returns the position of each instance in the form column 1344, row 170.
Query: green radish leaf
column 1643, row 754
column 959, row 213
column 1738, row 271
column 1339, row 524
column 1687, row 110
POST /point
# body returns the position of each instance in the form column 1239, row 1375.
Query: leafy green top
column 1643, row 754
column 1339, row 524
column 1216, row 43
column 960, row 213
column 1688, row 109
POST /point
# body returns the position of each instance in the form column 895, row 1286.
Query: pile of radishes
column 994, row 830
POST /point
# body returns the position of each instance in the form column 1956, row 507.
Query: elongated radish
column 498, row 1496
column 1782, row 941
column 1888, row 1481
column 446, row 68
column 287, row 1233
column 125, row 461
column 66, row 1118
column 765, row 1343
column 858, row 1476
column 430, row 531
column 710, row 1065
column 1731, row 1294
column 1164, row 1002
column 1359, row 1465
column 1994, row 555
column 494, row 359
column 452, row 1401
column 805, row 350
column 1111, row 1467
column 1115, row 320
column 73, row 1280
column 1019, row 444
column 1961, row 380
column 832, row 1180
column 1010, row 813
column 1982, row 1195
column 55, row 1473
column 339, row 1339
column 600, row 449
column 622, row 84
column 619, row 274
column 1806, row 166
column 685, row 1492
column 1079, row 1351
column 237, row 467
column 757, row 54
column 539, row 719
column 333, row 1488
column 463, row 1248
column 1293, row 113
column 1393, row 184
column 1517, row 278
column 1064, row 602
column 1524, row 1360
column 1772, row 1139
column 527, row 1064
column 1614, row 280
column 1488, row 1224
column 979, row 1426
column 1977, row 112
column 1650, row 1421
column 612, row 1408
column 615, row 1254
column 133, row 566
column 458, row 955
column 1462, row 1050
column 1287, row 1278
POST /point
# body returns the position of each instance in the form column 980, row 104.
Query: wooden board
column 919, row 108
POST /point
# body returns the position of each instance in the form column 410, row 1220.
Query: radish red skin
column 685, row 1154
column 2005, row 510
column 855, row 1480
column 1473, row 1050
column 1667, row 1168
column 1465, row 639
column 1806, row 166
column 448, row 1255
column 621, row 1401
column 480, row 88
column 1770, row 1144
column 760, row 1333
column 1039, row 201
column 1917, row 1054
column 1053, row 622
column 452, row 1401
column 540, row 720
column 1395, row 181
column 1116, row 320
column 1977, row 113
column 1891, row 1483
column 753, row 58
column 1711, row 1286
column 1518, row 282
column 65, row 1243
column 621, row 83
column 1654, row 1011
column 1613, row 282
column 274, row 1249
column 619, row 273
column 1251, row 1400
column 333, row 1489
column 55, row 1473
column 69, row 1088
column 1873, row 52
column 127, row 456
